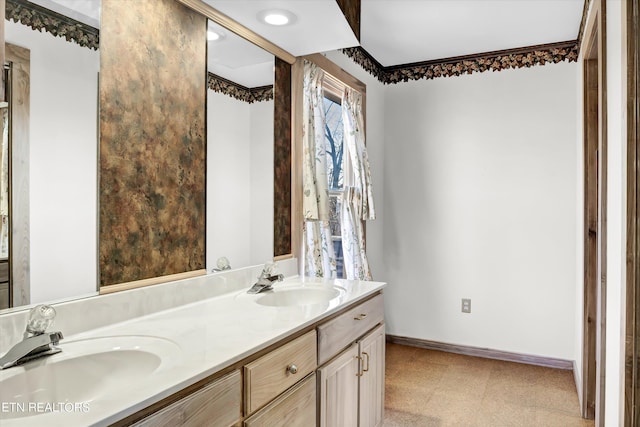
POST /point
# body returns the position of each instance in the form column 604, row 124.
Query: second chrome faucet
column 266, row 279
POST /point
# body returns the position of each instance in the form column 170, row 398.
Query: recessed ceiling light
column 277, row 17
column 214, row 35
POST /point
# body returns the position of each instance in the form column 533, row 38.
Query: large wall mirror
column 63, row 177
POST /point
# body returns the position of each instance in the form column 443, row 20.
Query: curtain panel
column 353, row 119
column 319, row 256
column 357, row 204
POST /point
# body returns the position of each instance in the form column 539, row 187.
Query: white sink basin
column 299, row 296
column 83, row 371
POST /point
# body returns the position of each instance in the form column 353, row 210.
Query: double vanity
column 307, row 352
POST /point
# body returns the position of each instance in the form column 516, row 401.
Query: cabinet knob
column 292, row 369
column 360, row 316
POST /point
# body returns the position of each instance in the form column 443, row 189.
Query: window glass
column 333, row 133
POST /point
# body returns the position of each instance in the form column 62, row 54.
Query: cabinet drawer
column 273, row 373
column 295, row 408
column 217, row 404
column 338, row 333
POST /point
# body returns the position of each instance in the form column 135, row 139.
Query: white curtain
column 357, row 204
column 320, row 260
column 319, row 257
column 356, row 265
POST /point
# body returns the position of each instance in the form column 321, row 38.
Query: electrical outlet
column 466, row 305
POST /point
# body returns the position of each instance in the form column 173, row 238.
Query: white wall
column 480, row 183
column 261, row 211
column 63, row 164
column 239, row 181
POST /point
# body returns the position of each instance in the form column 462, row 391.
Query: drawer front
column 273, row 373
column 338, row 333
column 295, row 408
column 217, row 404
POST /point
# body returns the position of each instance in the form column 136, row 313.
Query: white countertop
column 208, row 336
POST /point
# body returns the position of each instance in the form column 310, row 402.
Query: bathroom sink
column 83, row 371
column 302, row 295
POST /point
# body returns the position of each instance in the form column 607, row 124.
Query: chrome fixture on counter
column 222, row 264
column 266, row 279
column 36, row 342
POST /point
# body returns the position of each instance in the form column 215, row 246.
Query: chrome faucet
column 36, row 342
column 266, row 279
column 221, row 265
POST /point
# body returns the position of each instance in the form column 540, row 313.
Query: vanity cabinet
column 217, row 404
column 295, row 408
column 351, row 385
column 338, row 333
column 265, row 378
column 331, row 375
column 371, row 387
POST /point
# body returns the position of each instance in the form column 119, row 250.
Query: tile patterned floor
column 437, row 389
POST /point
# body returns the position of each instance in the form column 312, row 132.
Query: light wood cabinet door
column 372, row 351
column 215, row 405
column 295, row 408
column 338, row 386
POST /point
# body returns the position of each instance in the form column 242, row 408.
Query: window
column 337, row 161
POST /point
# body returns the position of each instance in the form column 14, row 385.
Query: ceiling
column 404, row 31
column 394, row 32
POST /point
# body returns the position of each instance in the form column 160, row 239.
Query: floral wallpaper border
column 494, row 61
column 237, row 91
column 490, row 61
column 40, row 18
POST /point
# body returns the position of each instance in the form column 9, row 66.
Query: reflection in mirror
column 62, row 38
column 239, row 150
column 5, row 224
column 62, row 165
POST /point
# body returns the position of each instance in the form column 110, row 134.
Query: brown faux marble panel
column 152, row 140
column 351, row 11
column 282, row 160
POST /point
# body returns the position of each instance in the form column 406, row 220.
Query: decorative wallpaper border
column 494, row 61
column 237, row 91
column 583, row 21
column 40, row 18
column 448, row 67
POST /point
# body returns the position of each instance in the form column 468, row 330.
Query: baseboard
column 577, row 378
column 487, row 353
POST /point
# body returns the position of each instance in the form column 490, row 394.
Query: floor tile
column 433, row 388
